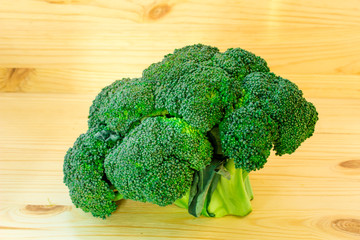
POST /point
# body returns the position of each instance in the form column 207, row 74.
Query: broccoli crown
column 200, row 84
column 238, row 63
column 121, row 105
column 85, row 176
column 284, row 103
column 247, row 136
column 272, row 113
column 156, row 160
column 177, row 127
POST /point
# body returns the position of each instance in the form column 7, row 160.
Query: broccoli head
column 121, row 105
column 155, row 162
column 189, row 132
column 283, row 101
column 84, row 174
column 198, row 83
column 247, row 136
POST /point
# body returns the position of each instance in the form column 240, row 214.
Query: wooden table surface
column 55, row 55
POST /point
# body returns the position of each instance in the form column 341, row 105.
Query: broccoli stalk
column 228, row 197
column 220, row 189
column 231, row 196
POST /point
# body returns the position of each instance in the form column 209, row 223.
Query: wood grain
column 311, row 185
column 55, row 55
column 125, row 36
column 140, row 221
column 91, row 81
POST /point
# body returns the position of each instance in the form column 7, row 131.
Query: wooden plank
column 312, row 37
column 327, row 86
column 59, row 222
column 43, row 80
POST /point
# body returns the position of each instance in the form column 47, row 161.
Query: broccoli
column 188, row 132
column 84, row 174
column 156, row 161
column 133, row 99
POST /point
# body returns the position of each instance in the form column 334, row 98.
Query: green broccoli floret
column 121, row 105
column 239, row 63
column 85, row 177
column 199, row 84
column 247, row 136
column 284, row 103
column 155, row 162
column 189, row 132
column 101, row 102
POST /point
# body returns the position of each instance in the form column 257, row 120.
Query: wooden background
column 55, row 55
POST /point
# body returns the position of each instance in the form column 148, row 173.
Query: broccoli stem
column 204, row 184
column 212, row 193
column 248, row 187
column 232, row 197
column 117, row 197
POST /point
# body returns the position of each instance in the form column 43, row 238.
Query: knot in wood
column 353, row 164
column 158, row 11
column 348, row 225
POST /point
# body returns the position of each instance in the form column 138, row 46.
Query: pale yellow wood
column 319, row 37
column 55, row 55
column 43, row 80
column 142, row 221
